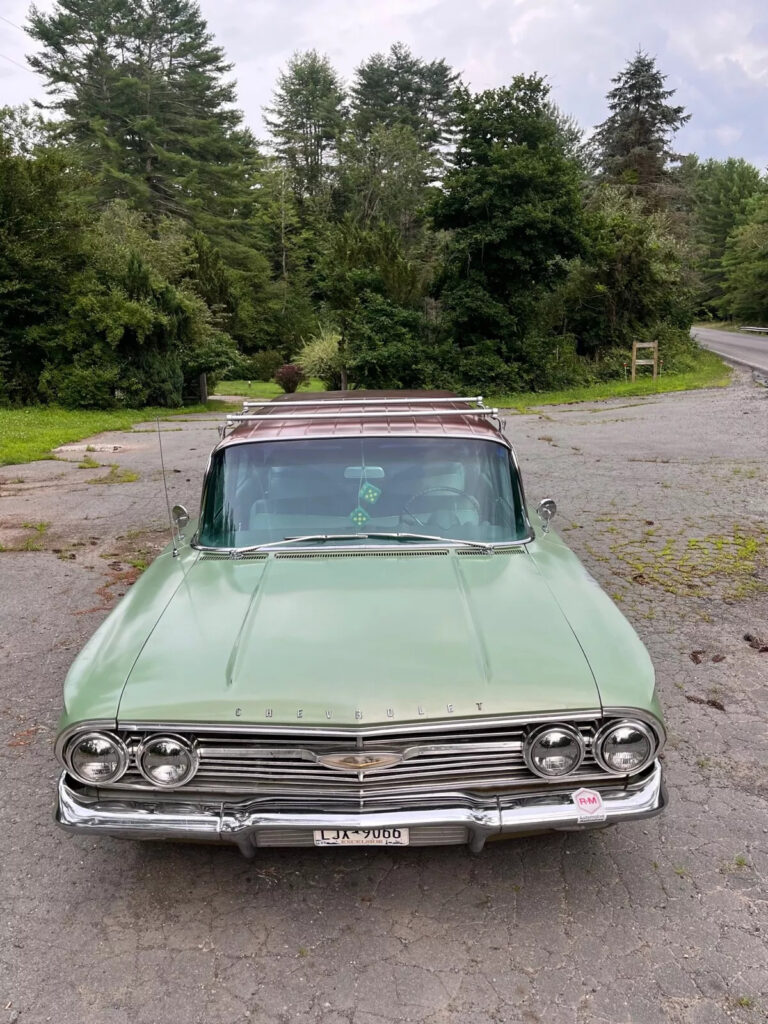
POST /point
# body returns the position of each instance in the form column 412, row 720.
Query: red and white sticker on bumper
column 589, row 805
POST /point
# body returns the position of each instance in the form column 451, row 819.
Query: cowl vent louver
column 224, row 556
column 496, row 551
column 359, row 554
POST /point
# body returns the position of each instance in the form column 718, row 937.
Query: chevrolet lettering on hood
column 357, row 712
column 367, row 637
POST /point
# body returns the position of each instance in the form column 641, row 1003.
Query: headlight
column 167, row 761
column 554, row 750
column 624, row 747
column 97, row 757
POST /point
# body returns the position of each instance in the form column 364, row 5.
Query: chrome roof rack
column 365, row 409
column 339, row 402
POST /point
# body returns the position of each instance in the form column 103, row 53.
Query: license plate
column 361, row 836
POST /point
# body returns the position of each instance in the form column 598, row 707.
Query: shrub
column 264, row 365
column 289, row 377
column 320, row 358
column 385, row 344
column 81, row 386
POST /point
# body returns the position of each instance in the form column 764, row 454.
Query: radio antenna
column 165, row 486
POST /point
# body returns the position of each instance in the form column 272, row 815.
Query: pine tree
column 141, row 92
column 306, row 121
column 398, row 89
column 633, row 143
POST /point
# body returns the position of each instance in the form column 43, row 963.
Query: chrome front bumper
column 250, row 825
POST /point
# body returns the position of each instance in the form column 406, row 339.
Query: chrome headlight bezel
column 605, row 731
column 189, row 749
column 533, row 738
column 119, row 746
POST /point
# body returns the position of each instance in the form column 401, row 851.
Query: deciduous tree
column 512, row 206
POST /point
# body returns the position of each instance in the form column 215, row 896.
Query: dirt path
column 659, row 921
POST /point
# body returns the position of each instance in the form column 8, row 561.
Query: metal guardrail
column 755, row 330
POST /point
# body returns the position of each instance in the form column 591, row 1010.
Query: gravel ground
column 660, row 921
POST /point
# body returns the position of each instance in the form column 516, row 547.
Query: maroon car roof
column 336, row 411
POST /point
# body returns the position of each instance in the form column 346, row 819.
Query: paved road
column 749, row 349
column 656, row 922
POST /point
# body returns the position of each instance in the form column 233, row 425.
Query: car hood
column 358, row 639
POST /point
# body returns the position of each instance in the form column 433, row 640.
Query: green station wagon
column 367, row 638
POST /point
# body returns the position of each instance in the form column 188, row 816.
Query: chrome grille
column 441, row 760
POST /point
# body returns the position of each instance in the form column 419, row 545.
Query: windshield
column 260, row 492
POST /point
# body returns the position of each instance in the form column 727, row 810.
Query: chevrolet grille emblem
column 359, row 762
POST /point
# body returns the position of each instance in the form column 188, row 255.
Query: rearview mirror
column 358, row 472
column 546, row 510
column 180, row 516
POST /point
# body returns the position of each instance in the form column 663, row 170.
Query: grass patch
column 29, row 434
column 711, row 372
column 116, row 475
column 730, row 566
column 37, row 527
column 261, row 388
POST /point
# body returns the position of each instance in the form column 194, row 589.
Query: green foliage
column 633, row 143
column 443, row 238
column 745, row 267
column 709, row 372
column 397, row 89
column 141, row 95
column 722, row 191
column 629, row 278
column 306, row 120
column 320, row 358
column 131, row 321
column 512, row 206
column 386, row 179
column 41, row 248
column 384, row 347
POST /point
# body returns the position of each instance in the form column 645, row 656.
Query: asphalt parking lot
column 665, row 500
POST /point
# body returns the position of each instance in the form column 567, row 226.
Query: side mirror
column 546, row 510
column 180, row 517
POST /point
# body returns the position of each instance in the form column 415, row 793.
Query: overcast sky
column 715, row 52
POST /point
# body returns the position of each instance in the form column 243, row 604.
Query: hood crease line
column 252, row 606
column 480, row 646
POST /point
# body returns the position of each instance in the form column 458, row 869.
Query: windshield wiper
column 322, row 537
column 428, row 536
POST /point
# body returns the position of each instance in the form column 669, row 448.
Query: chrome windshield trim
column 446, row 542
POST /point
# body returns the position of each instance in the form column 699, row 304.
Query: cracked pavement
column 665, row 920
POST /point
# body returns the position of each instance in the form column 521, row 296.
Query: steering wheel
column 473, row 503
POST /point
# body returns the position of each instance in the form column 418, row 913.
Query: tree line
column 396, row 231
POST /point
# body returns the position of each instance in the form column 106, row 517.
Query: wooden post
column 645, row 362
